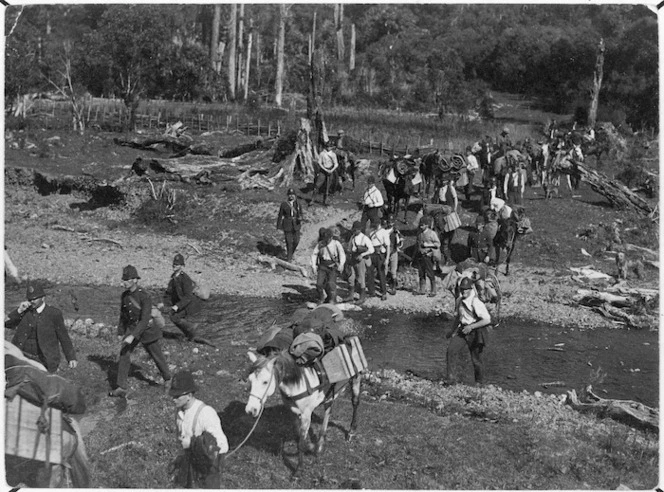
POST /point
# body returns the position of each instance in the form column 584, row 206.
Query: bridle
column 260, row 413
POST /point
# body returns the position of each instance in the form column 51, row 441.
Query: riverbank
column 413, row 433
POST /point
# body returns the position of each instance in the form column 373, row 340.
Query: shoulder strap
column 193, row 425
column 134, row 301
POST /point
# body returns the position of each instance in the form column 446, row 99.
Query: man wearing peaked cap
column 180, row 296
column 289, row 220
column 136, row 325
column 40, row 330
column 193, row 419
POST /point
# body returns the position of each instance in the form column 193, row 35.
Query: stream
column 521, row 355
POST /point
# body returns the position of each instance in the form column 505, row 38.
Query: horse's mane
column 285, row 368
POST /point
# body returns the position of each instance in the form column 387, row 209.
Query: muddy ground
column 67, row 241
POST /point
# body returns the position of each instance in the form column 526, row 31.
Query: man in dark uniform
column 41, row 331
column 180, row 295
column 289, row 220
column 136, row 326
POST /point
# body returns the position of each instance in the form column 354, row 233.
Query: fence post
column 269, row 129
column 278, row 128
column 419, row 141
column 406, row 149
column 369, row 142
column 259, row 127
column 237, row 123
column 380, row 149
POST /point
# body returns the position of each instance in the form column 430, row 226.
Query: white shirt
column 472, row 162
column 333, row 251
column 471, row 309
column 381, row 240
column 373, row 197
column 207, row 420
column 361, row 240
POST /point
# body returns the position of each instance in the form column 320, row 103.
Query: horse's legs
column 303, row 423
column 323, row 429
column 355, row 388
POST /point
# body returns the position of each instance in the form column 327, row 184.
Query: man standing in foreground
column 197, row 421
column 41, row 331
column 289, row 220
column 136, row 326
column 470, row 323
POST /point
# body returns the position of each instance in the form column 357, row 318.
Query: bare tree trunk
column 248, row 63
column 281, row 41
column 342, row 76
column 259, row 59
column 232, row 35
column 240, row 47
column 597, row 84
column 214, row 38
column 351, row 62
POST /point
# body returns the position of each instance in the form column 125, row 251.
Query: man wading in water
column 470, row 323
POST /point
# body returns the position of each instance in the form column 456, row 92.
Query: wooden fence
column 113, row 114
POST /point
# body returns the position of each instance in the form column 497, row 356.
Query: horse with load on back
column 43, row 444
column 310, row 361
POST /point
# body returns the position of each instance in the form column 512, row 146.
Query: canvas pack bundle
column 344, row 361
column 23, row 437
column 452, row 222
column 201, row 289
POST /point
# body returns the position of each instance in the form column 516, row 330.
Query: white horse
column 302, row 390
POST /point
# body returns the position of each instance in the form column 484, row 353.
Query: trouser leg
column 332, row 285
column 454, row 351
column 371, row 277
column 186, row 327
column 478, row 363
column 320, row 283
column 154, row 351
column 124, row 364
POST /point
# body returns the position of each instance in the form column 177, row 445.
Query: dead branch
column 273, row 262
column 57, row 227
column 106, row 240
column 195, row 248
column 626, row 411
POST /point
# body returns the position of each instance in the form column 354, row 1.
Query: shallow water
column 521, row 355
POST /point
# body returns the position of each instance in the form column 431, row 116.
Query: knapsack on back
column 201, row 289
column 306, row 348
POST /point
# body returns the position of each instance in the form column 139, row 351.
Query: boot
column 189, row 329
column 433, row 288
column 363, row 296
column 423, row 288
column 392, row 286
column 351, row 295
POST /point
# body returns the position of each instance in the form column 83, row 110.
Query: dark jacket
column 51, row 334
column 180, row 293
column 289, row 218
column 135, row 315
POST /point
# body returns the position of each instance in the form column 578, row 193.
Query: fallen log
column 628, row 412
column 595, row 298
column 246, row 148
column 273, row 262
column 618, row 194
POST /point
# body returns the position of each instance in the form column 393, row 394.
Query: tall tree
column 214, row 39
column 247, row 65
column 281, row 41
column 232, row 37
column 597, row 84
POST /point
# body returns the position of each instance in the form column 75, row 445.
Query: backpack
column 201, row 290
column 306, row 348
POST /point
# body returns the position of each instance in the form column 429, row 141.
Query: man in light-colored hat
column 180, row 296
column 289, row 220
column 40, row 330
column 194, row 418
column 136, row 325
column 372, row 203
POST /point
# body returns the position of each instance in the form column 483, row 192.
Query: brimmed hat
column 129, row 272
column 290, row 191
column 182, row 383
column 465, row 284
column 178, row 260
column 34, row 292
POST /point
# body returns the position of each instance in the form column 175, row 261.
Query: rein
column 262, row 402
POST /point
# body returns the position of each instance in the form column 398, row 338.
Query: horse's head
column 263, row 383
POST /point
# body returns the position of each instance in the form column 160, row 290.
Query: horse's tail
column 79, row 461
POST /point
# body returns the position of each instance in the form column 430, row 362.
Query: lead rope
column 262, row 400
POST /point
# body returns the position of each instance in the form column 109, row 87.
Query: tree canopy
column 428, row 57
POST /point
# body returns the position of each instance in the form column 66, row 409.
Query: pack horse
column 302, row 389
